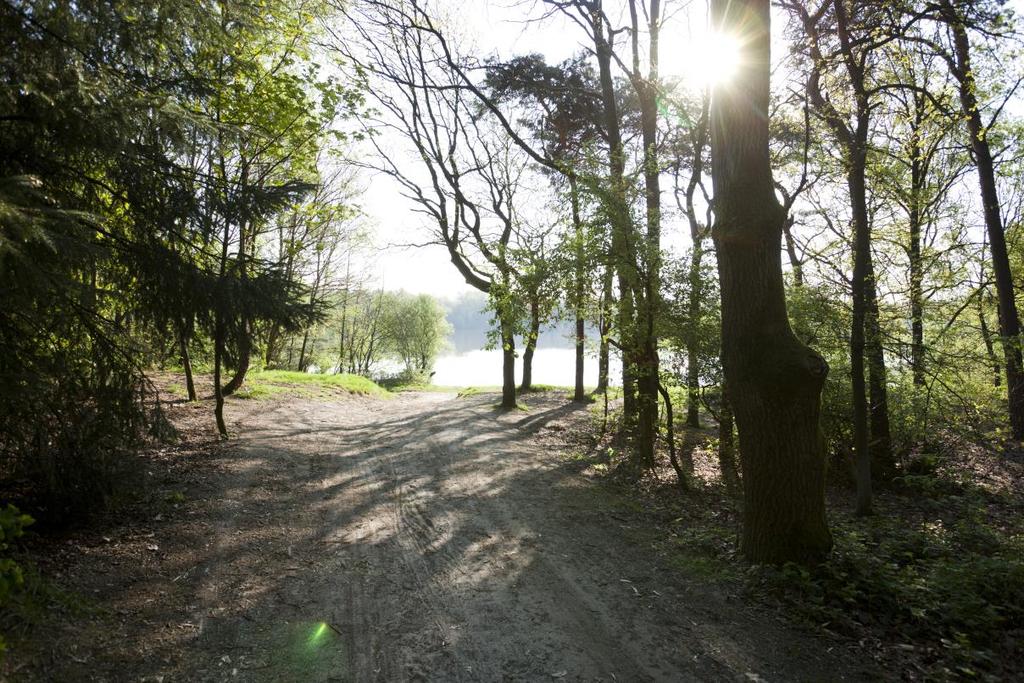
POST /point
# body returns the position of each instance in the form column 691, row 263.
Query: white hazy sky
column 499, row 27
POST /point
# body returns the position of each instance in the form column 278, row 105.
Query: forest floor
column 426, row 536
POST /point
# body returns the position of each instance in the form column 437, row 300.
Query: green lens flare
column 318, row 634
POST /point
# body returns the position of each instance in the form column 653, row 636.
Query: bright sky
column 428, row 269
column 499, row 25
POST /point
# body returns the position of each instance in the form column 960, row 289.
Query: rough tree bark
column 774, row 380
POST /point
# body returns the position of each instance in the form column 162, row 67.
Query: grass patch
column 539, row 388
column 473, row 391
column 414, row 386
column 273, row 382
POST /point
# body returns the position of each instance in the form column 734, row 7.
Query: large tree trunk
column 774, row 380
column 508, row 366
column 1009, row 319
column 530, row 347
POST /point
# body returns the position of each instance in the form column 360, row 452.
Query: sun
column 707, row 60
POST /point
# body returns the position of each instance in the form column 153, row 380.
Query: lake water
column 550, row 366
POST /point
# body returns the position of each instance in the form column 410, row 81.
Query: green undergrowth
column 37, row 602
column 932, row 583
column 271, row 383
column 942, row 584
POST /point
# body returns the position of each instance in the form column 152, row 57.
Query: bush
column 66, row 447
column 12, row 526
column 959, row 588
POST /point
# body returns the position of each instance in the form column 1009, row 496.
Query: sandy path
column 425, row 538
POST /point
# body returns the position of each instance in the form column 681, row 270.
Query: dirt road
column 426, row 537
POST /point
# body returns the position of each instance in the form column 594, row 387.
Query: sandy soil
column 426, row 537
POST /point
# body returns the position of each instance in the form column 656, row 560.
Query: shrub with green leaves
column 12, row 526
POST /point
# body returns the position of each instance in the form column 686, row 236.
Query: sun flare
column 705, row 61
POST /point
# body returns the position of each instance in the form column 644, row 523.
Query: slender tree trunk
column 774, row 380
column 625, row 329
column 218, row 391
column 649, row 285
column 861, row 254
column 245, row 342
column 986, row 336
column 301, row 367
column 604, row 329
column 184, row 337
column 726, row 446
column 882, row 465
column 273, row 335
column 794, row 260
column 693, row 335
column 917, row 188
column 1009, row 319
column 245, row 353
column 621, row 221
column 916, row 305
column 579, row 393
column 682, row 475
column 530, row 347
column 219, row 334
column 508, row 366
